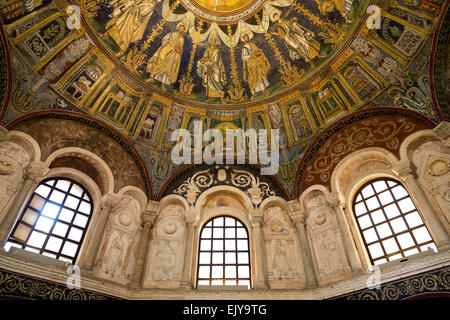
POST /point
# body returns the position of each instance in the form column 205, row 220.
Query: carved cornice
column 404, row 168
column 36, row 170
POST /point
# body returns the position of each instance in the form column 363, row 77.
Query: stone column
column 406, row 173
column 260, row 279
column 189, row 248
column 148, row 219
column 300, row 223
column 34, row 173
column 349, row 244
column 108, row 202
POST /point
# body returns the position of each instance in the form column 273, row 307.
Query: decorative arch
column 27, row 142
column 380, row 127
column 25, row 124
column 107, row 178
column 244, row 214
column 96, row 196
column 359, row 166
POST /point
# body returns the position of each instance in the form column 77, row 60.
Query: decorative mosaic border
column 5, row 73
column 440, row 70
column 430, row 282
column 17, row 285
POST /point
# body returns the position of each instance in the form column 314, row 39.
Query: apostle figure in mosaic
column 128, row 21
column 165, row 63
column 212, row 71
column 256, row 66
column 299, row 40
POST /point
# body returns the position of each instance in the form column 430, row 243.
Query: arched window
column 54, row 221
column 224, row 257
column 389, row 222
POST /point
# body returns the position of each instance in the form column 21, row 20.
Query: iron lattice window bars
column 391, row 225
column 54, row 221
column 224, row 256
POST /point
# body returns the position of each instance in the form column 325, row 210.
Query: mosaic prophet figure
column 212, row 71
column 165, row 63
column 256, row 66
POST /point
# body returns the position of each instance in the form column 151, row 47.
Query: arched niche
column 221, row 200
column 167, row 247
column 17, row 151
column 283, row 258
column 117, row 255
column 84, row 161
column 429, row 154
column 212, row 203
column 360, row 166
column 28, row 143
column 326, row 240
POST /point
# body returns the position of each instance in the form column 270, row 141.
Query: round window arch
column 224, row 255
column 390, row 223
column 54, row 221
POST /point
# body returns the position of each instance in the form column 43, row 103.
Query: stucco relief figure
column 16, row 152
column 329, row 257
column 113, row 257
column 165, row 63
column 116, row 259
column 165, row 263
column 256, row 66
column 212, row 71
column 280, row 261
column 129, row 20
column 299, row 40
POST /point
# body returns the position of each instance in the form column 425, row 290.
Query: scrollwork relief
column 256, row 189
column 367, row 133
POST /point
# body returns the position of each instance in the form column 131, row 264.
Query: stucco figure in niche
column 117, row 256
column 165, row 262
column 166, row 249
column 280, row 261
column 326, row 240
column 13, row 161
column 283, row 260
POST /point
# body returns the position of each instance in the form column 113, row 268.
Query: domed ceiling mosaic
column 139, row 69
column 199, row 52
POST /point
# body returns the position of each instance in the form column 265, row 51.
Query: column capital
column 148, row 218
column 335, row 200
column 404, row 168
column 36, row 170
column 152, row 206
column 299, row 217
column 109, row 200
column 257, row 220
column 294, row 206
